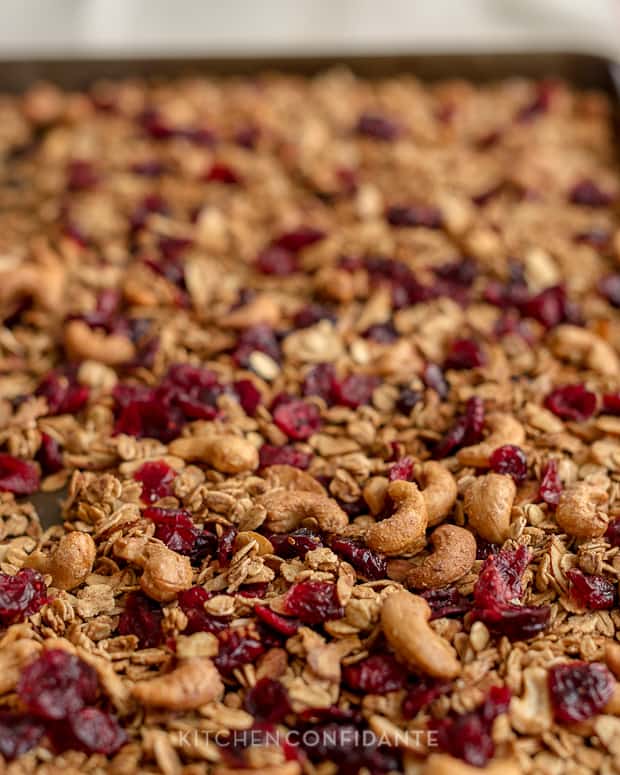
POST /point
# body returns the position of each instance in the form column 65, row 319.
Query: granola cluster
column 326, row 376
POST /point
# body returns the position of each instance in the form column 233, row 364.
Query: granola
column 326, row 376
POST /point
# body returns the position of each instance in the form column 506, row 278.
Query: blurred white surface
column 64, row 27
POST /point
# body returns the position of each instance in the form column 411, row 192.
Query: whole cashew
column 579, row 511
column 192, row 684
column 439, row 490
column 84, row 343
column 71, row 561
column 404, row 618
column 578, row 345
column 164, row 572
column 44, row 284
column 488, row 504
column 505, row 429
column 286, row 510
column 407, row 524
column 227, row 453
column 443, row 764
column 262, row 309
column 454, row 554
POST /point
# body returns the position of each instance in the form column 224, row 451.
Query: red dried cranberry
column 446, row 601
column 267, row 700
column 49, row 455
column 464, row 354
column 269, row 455
column 610, row 288
column 612, row 534
column 377, row 127
column 549, row 307
column 152, row 168
column 611, row 403
column 414, row 215
column 297, row 239
column 571, row 402
column 222, row 173
column 509, row 460
column 64, row 395
column 540, row 104
column 433, row 378
column 407, row 400
column 144, row 412
column 295, row 544
column 596, row 237
column 90, row 730
column 378, row 674
column 142, row 617
column 354, row 390
column 550, row 484
column 425, row 691
column 192, row 602
column 21, row 595
column 237, row 647
column 339, row 743
column 174, row 527
column 156, row 478
column 402, row 469
column 19, row 733
column 249, row 395
column 311, row 314
column 579, row 690
column 591, row 592
column 466, row 430
column 382, row 333
column 297, row 419
column 276, row 261
column 319, row 381
column 225, row 549
column 313, row 602
column 282, row 624
column 589, row 194
column 150, row 205
column 260, row 337
column 56, row 684
column 485, row 548
column 81, row 175
column 371, row 565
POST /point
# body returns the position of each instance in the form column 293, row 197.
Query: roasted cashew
column 164, row 572
column 71, row 561
column 443, row 764
column 225, row 452
column 262, row 309
column 404, row 618
column 407, row 524
column 454, row 554
column 583, row 347
column 438, row 488
column 192, row 684
column 84, row 343
column 42, row 283
column 488, row 504
column 286, row 510
column 579, row 511
column 375, row 492
column 505, row 429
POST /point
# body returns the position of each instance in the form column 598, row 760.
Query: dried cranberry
column 433, row 378
column 19, row 733
column 319, row 381
column 377, row 127
column 549, row 307
column 571, row 402
column 90, row 730
column 485, row 548
column 402, row 469
column 591, row 592
column 378, row 674
column 414, row 215
column 371, row 565
column 259, row 338
column 222, row 173
column 225, row 549
column 610, row 288
column 446, row 601
column 540, row 104
column 509, row 459
column 382, row 333
column 142, row 617
column 81, row 175
column 295, row 544
column 282, row 624
column 150, row 205
column 466, row 430
column 64, row 395
column 589, row 194
column 144, row 412
column 611, row 403
column 596, row 237
column 297, row 239
column 249, row 395
column 174, row 527
column 550, row 484
column 237, row 647
column 270, row 455
column 156, row 478
column 425, row 691
column 21, row 595
column 354, row 390
column 579, row 690
column 464, row 354
column 192, row 603
column 297, row 419
column 276, row 261
column 339, row 743
column 313, row 602
column 311, row 314
column 49, row 455
column 57, row 684
column 152, row 168
column 407, row 400
column 267, row 700
column 612, row 534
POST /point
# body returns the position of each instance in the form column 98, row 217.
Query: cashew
column 404, row 618
column 44, row 284
column 488, row 503
column 613, row 703
column 192, row 684
column 165, row 573
column 439, row 490
column 443, row 764
column 505, row 429
column 84, row 343
column 612, row 657
column 375, row 492
column 579, row 511
column 407, row 524
column 226, row 453
column 583, row 347
column 245, row 537
column 454, row 554
column 262, row 309
column 71, row 561
column 287, row 510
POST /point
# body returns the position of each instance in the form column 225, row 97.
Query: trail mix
column 326, row 373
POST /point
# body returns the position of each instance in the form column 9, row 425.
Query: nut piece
column 82, row 343
column 407, row 524
column 286, row 768
column 44, row 284
column 488, row 503
column 13, row 658
column 286, row 510
column 453, row 556
column 439, row 490
column 262, row 309
column 505, row 429
column 583, row 347
column 192, row 684
column 227, row 453
column 443, row 764
column 71, row 561
column 579, row 511
column 404, row 618
column 291, row 478
column 165, row 573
